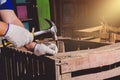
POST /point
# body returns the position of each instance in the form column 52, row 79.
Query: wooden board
column 90, row 60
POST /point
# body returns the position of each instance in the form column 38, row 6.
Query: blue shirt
column 6, row 4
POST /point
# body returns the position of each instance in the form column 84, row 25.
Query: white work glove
column 18, row 36
column 41, row 49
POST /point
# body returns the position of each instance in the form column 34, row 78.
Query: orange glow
column 111, row 10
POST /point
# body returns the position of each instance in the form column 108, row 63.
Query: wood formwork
column 94, row 64
column 102, row 63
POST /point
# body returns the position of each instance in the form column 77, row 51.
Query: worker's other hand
column 18, row 36
column 41, row 49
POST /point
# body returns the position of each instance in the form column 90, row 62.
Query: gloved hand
column 41, row 49
column 52, row 46
column 18, row 36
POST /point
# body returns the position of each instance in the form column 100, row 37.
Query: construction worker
column 13, row 30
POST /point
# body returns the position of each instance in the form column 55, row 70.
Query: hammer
column 52, row 29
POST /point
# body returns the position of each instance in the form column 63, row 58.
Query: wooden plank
column 113, row 37
column 57, row 71
column 66, row 76
column 117, row 37
column 91, row 29
column 111, row 47
column 91, row 60
column 99, row 76
column 61, row 46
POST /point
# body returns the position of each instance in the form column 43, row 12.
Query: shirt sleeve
column 6, row 4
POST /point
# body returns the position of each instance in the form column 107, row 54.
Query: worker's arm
column 9, row 16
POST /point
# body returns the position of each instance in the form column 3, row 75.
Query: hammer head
column 53, row 28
